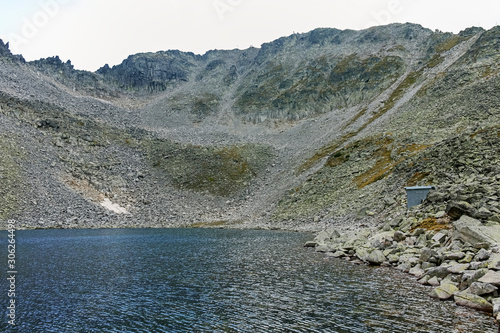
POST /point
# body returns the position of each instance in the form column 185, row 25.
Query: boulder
column 440, row 272
column 434, row 281
column 310, row 244
column 483, row 255
column 444, row 291
column 381, row 240
column 494, row 261
column 334, row 234
column 454, row 255
column 492, row 277
column 456, row 209
column 458, row 268
column 425, row 254
column 424, row 280
column 470, row 230
column 354, row 239
column 483, row 213
column 376, row 257
column 440, row 237
column 479, row 288
column 475, row 265
column 417, row 271
column 322, row 237
column 496, row 307
column 473, row 301
column 471, row 276
column 323, row 248
column 398, row 236
column 362, row 253
column 404, row 267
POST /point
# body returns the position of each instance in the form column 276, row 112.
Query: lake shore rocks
column 457, row 254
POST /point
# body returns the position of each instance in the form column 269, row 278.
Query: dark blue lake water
column 198, row 280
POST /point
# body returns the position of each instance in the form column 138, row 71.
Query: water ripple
column 182, row 280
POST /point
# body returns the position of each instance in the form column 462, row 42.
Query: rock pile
column 455, row 250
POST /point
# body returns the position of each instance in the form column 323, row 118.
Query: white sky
column 94, row 32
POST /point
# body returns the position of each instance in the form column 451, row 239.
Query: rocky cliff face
column 310, row 130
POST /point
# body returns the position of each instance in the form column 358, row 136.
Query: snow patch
column 106, row 203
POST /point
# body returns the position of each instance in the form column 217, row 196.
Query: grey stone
column 426, row 254
column 427, row 265
column 417, row 271
column 434, row 281
column 494, row 261
column 424, row 280
column 398, row 236
column 440, row 237
column 483, row 255
column 492, row 277
column 469, row 277
column 376, row 257
column 496, row 306
column 470, row 230
column 457, row 209
column 322, row 237
column 475, row 265
column 362, row 253
column 480, row 288
column 454, row 255
column 440, row 272
column 483, row 213
column 473, row 301
column 444, row 291
column 404, row 267
column 458, row 268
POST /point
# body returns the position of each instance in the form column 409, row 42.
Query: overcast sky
column 92, row 33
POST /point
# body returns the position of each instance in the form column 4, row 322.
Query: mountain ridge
column 262, row 137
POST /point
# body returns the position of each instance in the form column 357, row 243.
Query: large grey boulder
column 440, row 272
column 376, row 257
column 471, row 276
column 473, row 301
column 457, row 268
column 322, row 238
column 479, row 288
column 457, row 209
column 491, row 277
column 496, row 308
column 470, row 230
column 494, row 261
column 444, row 291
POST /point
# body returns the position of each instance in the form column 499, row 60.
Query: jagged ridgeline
column 323, row 126
column 291, row 78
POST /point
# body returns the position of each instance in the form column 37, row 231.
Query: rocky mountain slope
column 309, row 131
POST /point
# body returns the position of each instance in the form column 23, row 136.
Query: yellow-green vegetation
column 385, row 162
column 434, row 224
column 221, row 171
column 449, row 43
column 11, row 180
column 410, row 80
column 416, row 178
column 435, row 60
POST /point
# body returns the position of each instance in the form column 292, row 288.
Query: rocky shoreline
column 455, row 250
